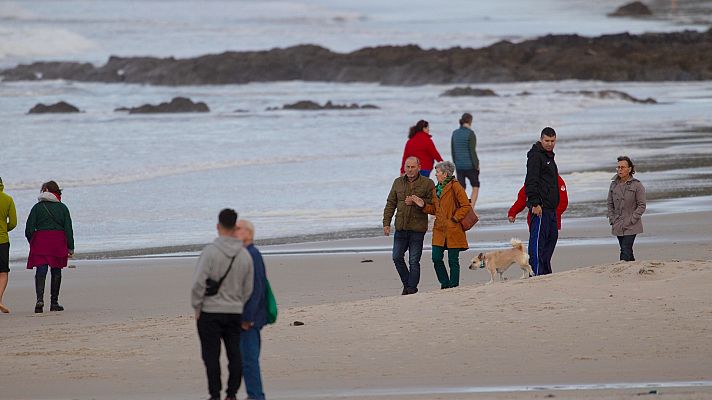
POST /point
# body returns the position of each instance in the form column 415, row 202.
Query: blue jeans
column 411, row 241
column 250, row 343
column 626, row 243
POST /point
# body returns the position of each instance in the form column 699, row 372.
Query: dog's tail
column 517, row 244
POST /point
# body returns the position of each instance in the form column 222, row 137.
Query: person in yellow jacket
column 450, row 205
column 8, row 222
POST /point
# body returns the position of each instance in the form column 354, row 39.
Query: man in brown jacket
column 411, row 221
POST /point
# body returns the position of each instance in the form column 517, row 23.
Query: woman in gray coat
column 626, row 205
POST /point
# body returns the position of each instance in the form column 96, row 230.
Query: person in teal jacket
column 8, row 221
column 49, row 231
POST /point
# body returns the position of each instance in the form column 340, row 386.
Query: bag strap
column 50, row 214
column 228, row 271
column 457, row 202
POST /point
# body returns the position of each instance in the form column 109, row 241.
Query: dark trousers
column 411, row 241
column 626, row 243
column 543, row 234
column 213, row 327
column 40, row 279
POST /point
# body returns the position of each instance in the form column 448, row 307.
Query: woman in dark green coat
column 49, row 231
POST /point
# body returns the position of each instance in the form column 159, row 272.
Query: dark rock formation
column 611, row 94
column 677, row 56
column 61, row 107
column 468, row 91
column 634, row 9
column 311, row 105
column 177, row 105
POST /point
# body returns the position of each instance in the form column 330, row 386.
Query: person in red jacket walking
column 521, row 204
column 420, row 144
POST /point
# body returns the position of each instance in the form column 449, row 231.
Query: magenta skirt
column 48, row 248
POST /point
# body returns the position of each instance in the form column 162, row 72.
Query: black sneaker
column 411, row 291
column 55, row 307
column 39, row 306
column 405, row 291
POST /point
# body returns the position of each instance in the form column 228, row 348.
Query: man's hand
column 197, row 315
column 71, row 254
column 246, row 325
column 536, row 210
column 386, row 230
column 512, row 219
column 409, row 200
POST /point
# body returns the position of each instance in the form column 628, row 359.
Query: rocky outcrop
column 677, row 56
column 611, row 94
column 634, row 9
column 468, row 91
column 311, row 105
column 61, row 107
column 177, row 105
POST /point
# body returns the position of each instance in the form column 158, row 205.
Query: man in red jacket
column 521, row 204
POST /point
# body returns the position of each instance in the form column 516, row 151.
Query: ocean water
column 137, row 181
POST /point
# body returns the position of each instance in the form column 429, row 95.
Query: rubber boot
column 54, row 293
column 39, row 290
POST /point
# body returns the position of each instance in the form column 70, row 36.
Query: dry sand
column 128, row 332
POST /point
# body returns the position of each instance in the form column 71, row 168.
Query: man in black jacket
column 542, row 189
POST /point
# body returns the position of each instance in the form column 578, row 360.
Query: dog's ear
column 480, row 256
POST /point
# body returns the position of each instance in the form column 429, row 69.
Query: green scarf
column 440, row 186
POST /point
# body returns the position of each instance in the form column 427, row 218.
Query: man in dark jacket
column 464, row 154
column 542, row 189
column 254, row 315
column 411, row 221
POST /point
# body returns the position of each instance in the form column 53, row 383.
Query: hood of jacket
column 47, row 196
column 228, row 245
column 538, row 148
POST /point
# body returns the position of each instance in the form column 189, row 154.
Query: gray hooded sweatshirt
column 237, row 286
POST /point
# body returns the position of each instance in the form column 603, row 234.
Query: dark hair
column 422, row 124
column 227, row 218
column 548, row 131
column 466, row 119
column 630, row 163
column 51, row 187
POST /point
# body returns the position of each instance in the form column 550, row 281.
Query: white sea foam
column 28, row 43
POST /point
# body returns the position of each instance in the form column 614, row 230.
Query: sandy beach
column 128, row 331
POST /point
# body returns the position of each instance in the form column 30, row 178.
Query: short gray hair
column 447, row 167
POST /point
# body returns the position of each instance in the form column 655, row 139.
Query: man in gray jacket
column 219, row 316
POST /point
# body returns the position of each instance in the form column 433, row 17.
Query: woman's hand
column 418, row 201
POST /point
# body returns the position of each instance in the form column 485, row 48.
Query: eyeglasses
column 619, row 167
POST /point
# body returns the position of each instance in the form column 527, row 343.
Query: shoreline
column 491, row 222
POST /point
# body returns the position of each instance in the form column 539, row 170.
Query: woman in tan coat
column 626, row 205
column 450, row 205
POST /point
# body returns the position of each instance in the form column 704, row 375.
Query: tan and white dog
column 498, row 261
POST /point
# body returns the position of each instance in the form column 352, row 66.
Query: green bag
column 271, row 304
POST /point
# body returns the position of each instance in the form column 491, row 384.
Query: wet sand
column 128, row 331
